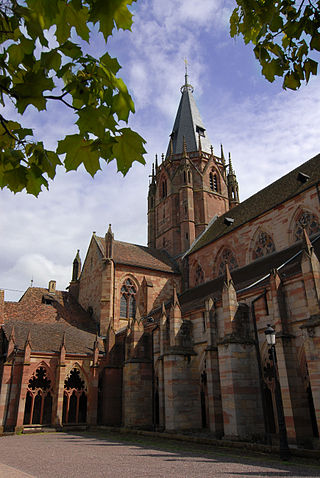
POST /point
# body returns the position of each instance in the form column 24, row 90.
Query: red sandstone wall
column 90, row 281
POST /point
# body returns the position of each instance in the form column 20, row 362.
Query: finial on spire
column 156, row 162
column 162, row 157
column 222, row 153
column 186, row 72
column 211, row 149
column 186, row 86
column 230, row 165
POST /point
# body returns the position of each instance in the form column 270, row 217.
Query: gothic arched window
column 199, row 275
column 213, row 178
column 74, row 398
column 307, row 221
column 128, row 300
column 227, row 257
column 38, row 407
column 264, row 245
column 164, row 188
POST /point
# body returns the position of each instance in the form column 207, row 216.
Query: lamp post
column 284, row 448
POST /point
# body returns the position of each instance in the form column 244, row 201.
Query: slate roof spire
column 188, row 124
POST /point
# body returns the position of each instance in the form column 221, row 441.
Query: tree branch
column 60, row 98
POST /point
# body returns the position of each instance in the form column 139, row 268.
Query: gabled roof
column 187, row 121
column 140, row 256
column 48, row 317
column 273, row 195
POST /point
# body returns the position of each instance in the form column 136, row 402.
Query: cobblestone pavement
column 57, row 455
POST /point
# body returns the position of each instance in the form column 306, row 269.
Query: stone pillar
column 213, row 373
column 239, row 375
column 93, row 390
column 60, row 378
column 24, row 383
column 182, row 392
column 311, row 333
column 282, row 344
column 107, row 296
column 137, row 379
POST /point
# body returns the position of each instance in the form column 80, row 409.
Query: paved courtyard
column 57, row 455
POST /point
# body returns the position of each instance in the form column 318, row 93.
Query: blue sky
column 268, row 131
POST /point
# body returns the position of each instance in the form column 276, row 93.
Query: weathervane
column 186, row 85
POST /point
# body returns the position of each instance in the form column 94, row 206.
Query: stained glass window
column 264, row 245
column 227, row 256
column 307, row 221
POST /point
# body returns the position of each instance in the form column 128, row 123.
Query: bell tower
column 189, row 186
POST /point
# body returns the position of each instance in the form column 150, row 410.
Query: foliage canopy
column 284, row 33
column 42, row 60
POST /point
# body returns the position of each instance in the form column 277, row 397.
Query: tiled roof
column 140, row 256
column 276, row 193
column 47, row 337
column 48, row 322
column 249, row 275
column 185, row 126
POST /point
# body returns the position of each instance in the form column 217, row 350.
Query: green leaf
column 315, row 42
column 108, row 14
column 51, row 60
column 128, row 148
column 234, row 23
column 310, row 67
column 111, row 64
column 292, row 81
column 30, row 91
column 70, row 49
column 96, row 120
column 79, row 150
column 16, row 55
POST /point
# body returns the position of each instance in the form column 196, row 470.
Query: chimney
column 52, row 287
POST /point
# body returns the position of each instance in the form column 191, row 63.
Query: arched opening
column 74, row 398
column 128, row 300
column 213, row 180
column 38, row 406
column 164, row 188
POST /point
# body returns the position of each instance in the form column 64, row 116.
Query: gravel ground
column 57, row 455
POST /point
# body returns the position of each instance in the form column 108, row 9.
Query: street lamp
column 284, row 448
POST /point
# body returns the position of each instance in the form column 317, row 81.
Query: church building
column 171, row 336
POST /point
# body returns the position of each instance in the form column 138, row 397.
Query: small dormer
column 52, row 287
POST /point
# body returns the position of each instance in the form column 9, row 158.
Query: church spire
column 188, row 124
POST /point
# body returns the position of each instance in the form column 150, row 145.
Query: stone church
column 171, row 336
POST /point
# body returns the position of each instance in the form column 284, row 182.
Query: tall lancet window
column 164, row 188
column 128, row 300
column 213, row 178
